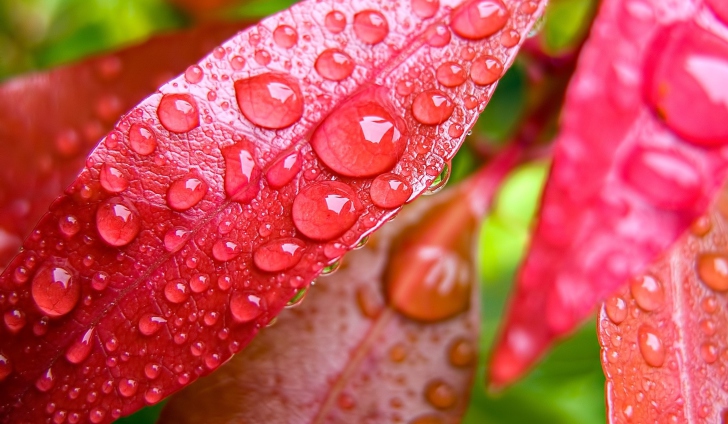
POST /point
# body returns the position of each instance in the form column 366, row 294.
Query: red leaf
column 665, row 337
column 639, row 157
column 391, row 337
column 140, row 272
column 50, row 121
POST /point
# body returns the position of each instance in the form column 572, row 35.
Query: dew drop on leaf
column 486, row 70
column 46, row 381
column 245, row 307
column 510, row 38
column 335, row 21
column 152, row 370
column 297, row 298
column 150, row 324
column 432, row 107
column 81, row 348
column 270, row 100
column 6, row 368
column 477, row 19
column 175, row 238
column 616, row 309
column 178, row 113
column 425, row 8
column 389, row 191
column 142, row 140
column 176, row 291
column 325, row 210
column 55, row 290
column 242, row 175
column 647, row 292
column 128, row 387
column 651, row 346
column 112, row 180
column 283, row 170
column 117, row 222
column 440, row 394
column 14, row 320
column 285, row 36
column 713, row 270
column 224, row 251
column 370, row 26
column 450, row 74
column 194, row 74
column 462, row 353
column 153, row 395
column 709, row 352
column 185, row 193
column 278, row 255
column 440, row 181
column 69, row 226
column 438, row 35
column 199, row 283
column 334, row 65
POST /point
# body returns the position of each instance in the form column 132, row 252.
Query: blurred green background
column 568, row 386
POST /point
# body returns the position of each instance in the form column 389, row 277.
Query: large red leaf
column 665, row 337
column 639, row 156
column 232, row 188
column 49, row 121
column 385, row 339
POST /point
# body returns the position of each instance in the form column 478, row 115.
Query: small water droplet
column 713, row 270
column 150, row 324
column 331, row 268
column 334, row 65
column 176, row 291
column 432, row 107
column 325, row 210
column 278, row 255
column 647, row 292
column 178, row 113
column 194, row 74
column 284, row 169
column 616, row 309
column 701, row 226
column 509, row 38
column 55, row 290
column 285, row 36
column 153, row 395
column 186, row 192
column 451, row 74
column 440, row 181
column 462, row 353
column 81, row 348
column 297, row 298
column 14, row 320
column 175, row 238
column 242, row 174
column 117, row 222
column 389, row 191
column 486, row 70
column 397, row 353
column 112, row 180
column 651, row 346
column 152, row 371
column 346, row 401
column 477, row 19
column 335, row 21
column 142, row 140
column 199, row 283
column 438, row 35
column 370, row 26
column 245, row 307
column 224, row 251
column 69, row 226
column 46, row 381
column 440, row 394
column 425, row 8
column 6, row 367
column 270, row 100
column 262, row 57
column 709, row 352
column 128, row 387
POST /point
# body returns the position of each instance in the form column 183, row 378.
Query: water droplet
column 117, row 222
column 462, row 353
column 178, row 113
column 370, row 26
column 175, row 238
column 176, row 291
column 701, row 226
column 185, row 193
column 397, row 353
column 360, row 139
column 112, row 180
column 270, row 100
column 651, row 346
column 297, row 298
column 142, row 140
column 510, row 38
column 438, row 35
column 285, row 36
column 334, row 65
column 245, row 307
column 688, row 65
column 709, row 352
column 262, row 57
column 81, row 348
column 6, row 367
column 451, row 74
column 278, row 255
column 486, row 70
column 150, row 324
column 128, row 387
column 440, row 181
column 153, row 395
column 432, row 107
column 389, row 191
column 14, row 320
column 425, row 8
column 325, row 210
column 224, row 251
column 616, row 309
column 647, row 292
column 69, row 226
column 335, row 21
column 242, row 174
column 713, row 270
column 199, row 283
column 194, row 74
column 283, row 170
column 478, row 19
column 331, row 268
column 55, row 290
column 346, row 401
column 224, row 282
column 46, row 381
column 440, row 394
column 665, row 177
column 428, row 283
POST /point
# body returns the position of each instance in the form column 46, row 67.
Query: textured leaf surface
column 665, row 337
column 399, row 341
column 639, row 156
column 49, row 121
column 214, row 200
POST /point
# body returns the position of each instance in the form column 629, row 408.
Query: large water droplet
column 6, row 367
column 665, row 177
column 112, row 180
column 335, row 21
column 370, row 26
column 283, row 170
column 688, row 65
column 325, row 210
column 334, row 65
column 651, row 346
column 462, row 353
column 186, row 192
column 46, row 381
column 175, row 238
column 270, row 100
column 616, row 309
column 176, row 291
column 178, row 113
column 647, row 292
column 425, row 8
column 55, row 290
column 142, row 140
column 360, row 139
column 278, row 255
column 713, row 270
column 486, row 70
column 14, row 320
column 245, row 307
column 150, row 324
column 117, row 222
column 81, row 348
column 478, row 19
column 440, row 394
column 285, row 36
column 389, row 191
column 242, row 174
column 128, row 387
column 451, row 74
column 225, row 250
column 432, row 107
